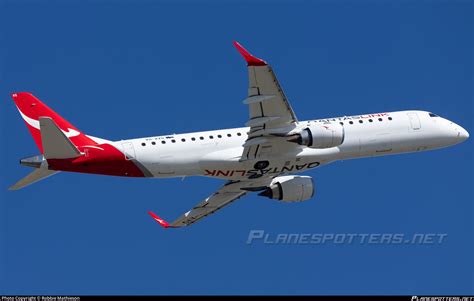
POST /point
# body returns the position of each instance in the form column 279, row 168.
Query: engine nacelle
column 321, row 136
column 290, row 189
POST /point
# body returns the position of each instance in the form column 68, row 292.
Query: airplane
column 262, row 157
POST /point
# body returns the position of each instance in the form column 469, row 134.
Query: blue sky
column 123, row 69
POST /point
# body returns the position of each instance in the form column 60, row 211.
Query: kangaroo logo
column 35, row 124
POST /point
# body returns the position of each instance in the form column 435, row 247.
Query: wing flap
column 261, row 121
column 263, row 82
column 258, row 99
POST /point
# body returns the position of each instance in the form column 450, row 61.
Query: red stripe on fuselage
column 106, row 161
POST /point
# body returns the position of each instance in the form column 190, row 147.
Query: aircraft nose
column 462, row 134
column 454, row 133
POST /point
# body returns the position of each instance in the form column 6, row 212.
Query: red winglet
column 251, row 60
column 159, row 220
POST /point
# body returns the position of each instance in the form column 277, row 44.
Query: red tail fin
column 31, row 109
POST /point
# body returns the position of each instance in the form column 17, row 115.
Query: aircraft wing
column 270, row 113
column 228, row 193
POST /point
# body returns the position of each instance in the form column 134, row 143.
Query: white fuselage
column 217, row 153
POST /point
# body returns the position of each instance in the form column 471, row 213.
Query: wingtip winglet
column 251, row 60
column 159, row 220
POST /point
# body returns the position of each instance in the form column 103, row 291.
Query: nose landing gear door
column 129, row 150
column 414, row 121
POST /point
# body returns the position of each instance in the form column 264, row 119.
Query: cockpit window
column 433, row 115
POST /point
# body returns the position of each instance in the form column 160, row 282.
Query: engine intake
column 321, row 136
column 290, row 189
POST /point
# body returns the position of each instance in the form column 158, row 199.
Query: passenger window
column 143, row 144
column 341, row 123
column 202, row 138
column 239, row 134
column 219, row 136
column 389, row 118
column 211, row 137
column 163, row 141
column 153, row 143
column 360, row 121
column 183, row 140
column 380, row 119
column 193, row 139
column 229, row 135
column 351, row 122
column 174, row 141
column 370, row 120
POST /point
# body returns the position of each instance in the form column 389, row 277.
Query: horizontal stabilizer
column 56, row 145
column 35, row 176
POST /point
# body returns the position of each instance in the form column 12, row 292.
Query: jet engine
column 290, row 189
column 320, row 136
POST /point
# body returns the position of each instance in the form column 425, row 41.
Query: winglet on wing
column 251, row 60
column 159, row 220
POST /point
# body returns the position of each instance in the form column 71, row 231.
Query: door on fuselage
column 414, row 121
column 129, row 150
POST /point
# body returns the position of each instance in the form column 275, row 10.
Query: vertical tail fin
column 32, row 109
